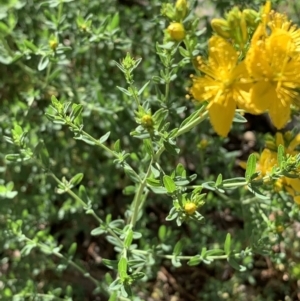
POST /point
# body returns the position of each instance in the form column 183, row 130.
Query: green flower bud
column 220, row 27
column 252, row 17
column 181, row 8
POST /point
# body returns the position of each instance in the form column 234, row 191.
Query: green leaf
column 148, row 146
column 227, row 244
column 128, row 239
column 132, row 174
column 76, row 111
column 117, row 146
column 137, row 275
column 122, row 268
column 4, row 29
column 214, row 252
column 230, row 183
column 27, row 248
column 113, row 296
column 42, row 153
column 114, row 22
column 83, row 194
column 192, row 117
column 16, row 158
column 251, row 167
column 162, row 231
column 233, row 263
column 143, row 88
column 129, row 190
column 104, row 137
column 115, row 285
column 72, row 249
column 124, row 91
column 219, row 180
column 171, row 148
column 176, row 262
column 257, row 193
column 112, row 264
column 178, row 248
column 153, row 182
column 30, row 45
column 172, row 214
column 239, row 118
column 98, row 231
column 280, row 156
column 44, row 61
column 155, row 171
column 194, row 260
column 184, row 52
column 76, row 179
column 169, row 184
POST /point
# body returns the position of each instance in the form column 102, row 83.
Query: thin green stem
column 68, row 260
column 182, row 131
column 138, row 196
column 192, row 124
column 97, row 142
column 49, row 67
column 134, row 94
column 182, row 257
column 59, row 13
column 40, row 296
column 167, row 90
column 92, row 212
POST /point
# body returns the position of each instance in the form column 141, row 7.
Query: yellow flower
column 147, row 121
column 274, row 68
column 190, row 208
column 267, row 161
column 53, row 43
column 222, row 84
column 289, row 141
column 176, row 31
column 279, row 22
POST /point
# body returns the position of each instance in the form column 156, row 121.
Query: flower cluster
column 268, row 161
column 253, row 64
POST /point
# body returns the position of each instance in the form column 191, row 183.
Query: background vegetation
column 68, row 49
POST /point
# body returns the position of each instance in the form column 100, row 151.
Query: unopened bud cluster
column 176, row 30
column 237, row 25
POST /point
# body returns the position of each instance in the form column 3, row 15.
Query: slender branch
column 92, row 212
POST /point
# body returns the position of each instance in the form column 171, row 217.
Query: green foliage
column 111, row 178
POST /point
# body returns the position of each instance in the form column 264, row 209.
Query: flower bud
column 181, row 9
column 147, row 121
column 168, row 11
column 176, row 31
column 53, row 43
column 220, row 26
column 252, row 17
column 190, row 208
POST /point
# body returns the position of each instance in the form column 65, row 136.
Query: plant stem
column 92, row 212
column 68, row 260
column 138, row 196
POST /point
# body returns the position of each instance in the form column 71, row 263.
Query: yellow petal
column 204, row 88
column 279, row 113
column 294, row 183
column 221, row 116
column 294, row 143
column 262, row 95
column 297, row 199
